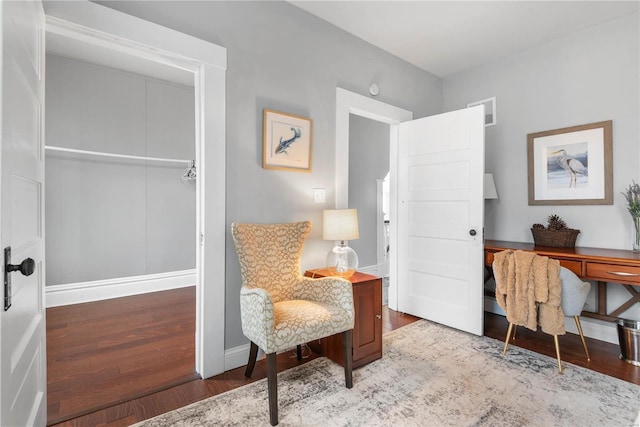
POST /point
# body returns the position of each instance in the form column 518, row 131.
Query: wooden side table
column 367, row 329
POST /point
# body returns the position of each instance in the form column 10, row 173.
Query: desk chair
column 279, row 308
column 574, row 295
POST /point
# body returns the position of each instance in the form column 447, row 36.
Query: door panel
column 23, row 350
column 440, row 199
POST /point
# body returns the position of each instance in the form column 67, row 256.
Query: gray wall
column 109, row 218
column 586, row 77
column 368, row 162
column 283, row 58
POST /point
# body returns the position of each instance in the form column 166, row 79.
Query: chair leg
column 347, row 351
column 506, row 340
column 272, row 386
column 584, row 344
column 555, row 340
column 253, row 354
column 299, row 352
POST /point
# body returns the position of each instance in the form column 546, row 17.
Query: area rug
column 430, row 375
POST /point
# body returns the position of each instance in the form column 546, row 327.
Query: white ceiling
column 446, row 37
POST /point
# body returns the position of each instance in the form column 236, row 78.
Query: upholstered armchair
column 280, row 309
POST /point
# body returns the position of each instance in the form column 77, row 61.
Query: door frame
column 102, row 26
column 347, row 103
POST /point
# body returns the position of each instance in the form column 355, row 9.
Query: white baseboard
column 369, row 269
column 236, row 357
column 592, row 328
column 75, row 293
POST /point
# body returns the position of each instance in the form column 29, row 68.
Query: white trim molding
column 236, row 357
column 97, row 290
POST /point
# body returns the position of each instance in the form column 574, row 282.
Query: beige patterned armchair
column 280, row 308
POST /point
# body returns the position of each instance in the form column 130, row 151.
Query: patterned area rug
column 430, row 375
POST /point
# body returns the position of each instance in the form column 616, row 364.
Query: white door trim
column 99, row 25
column 352, row 103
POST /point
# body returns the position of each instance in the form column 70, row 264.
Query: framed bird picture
column 571, row 166
column 286, row 141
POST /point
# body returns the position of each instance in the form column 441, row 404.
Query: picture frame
column 287, row 141
column 571, row 166
column 490, row 118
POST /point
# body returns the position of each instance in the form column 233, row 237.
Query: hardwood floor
column 103, row 353
column 129, row 410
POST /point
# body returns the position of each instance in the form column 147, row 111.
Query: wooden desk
column 601, row 265
column 367, row 329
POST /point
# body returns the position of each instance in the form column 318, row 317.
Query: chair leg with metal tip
column 584, row 344
column 555, row 340
column 506, row 340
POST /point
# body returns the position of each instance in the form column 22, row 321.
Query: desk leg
column 602, row 298
column 635, row 298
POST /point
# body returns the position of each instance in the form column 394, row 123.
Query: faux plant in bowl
column 556, row 234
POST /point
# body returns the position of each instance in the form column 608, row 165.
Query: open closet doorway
column 187, row 71
column 121, row 185
column 120, row 202
column 385, row 118
column 369, row 152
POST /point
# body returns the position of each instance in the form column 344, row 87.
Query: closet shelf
column 119, row 156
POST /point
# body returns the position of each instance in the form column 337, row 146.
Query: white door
column 440, row 218
column 22, row 321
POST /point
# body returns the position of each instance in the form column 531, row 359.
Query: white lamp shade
column 340, row 224
column 490, row 191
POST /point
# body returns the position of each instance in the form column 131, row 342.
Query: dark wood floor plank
column 102, row 353
column 132, row 409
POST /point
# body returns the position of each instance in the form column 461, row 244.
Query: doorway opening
column 121, row 206
column 120, row 136
column 350, row 103
column 99, row 29
column 368, row 165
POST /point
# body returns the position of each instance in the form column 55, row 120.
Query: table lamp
column 341, row 225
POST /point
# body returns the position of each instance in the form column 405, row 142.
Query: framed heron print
column 571, row 166
column 286, row 141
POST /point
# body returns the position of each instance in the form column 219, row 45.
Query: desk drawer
column 613, row 273
column 488, row 258
column 575, row 266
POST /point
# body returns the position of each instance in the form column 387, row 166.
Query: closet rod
column 119, row 156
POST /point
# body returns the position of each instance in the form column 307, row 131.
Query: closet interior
column 120, row 218
column 120, row 170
